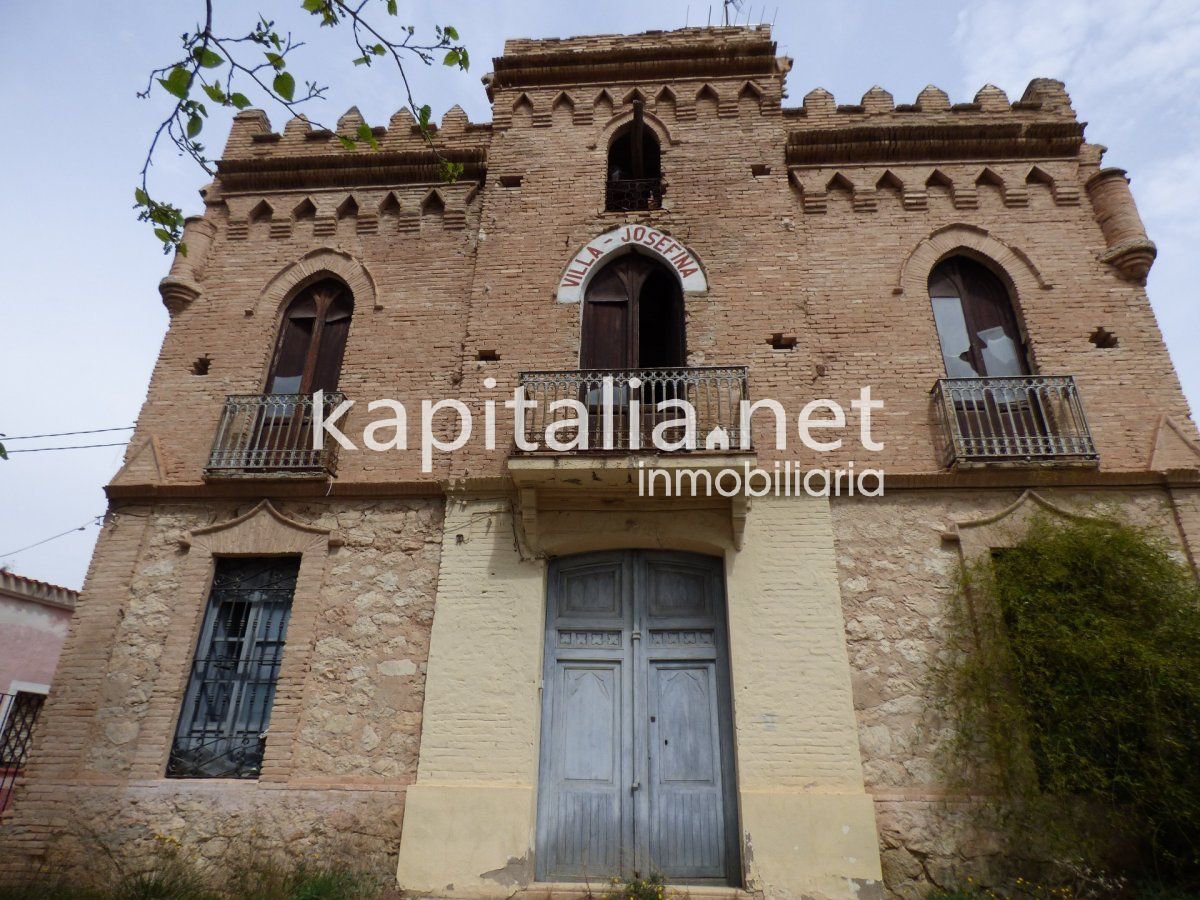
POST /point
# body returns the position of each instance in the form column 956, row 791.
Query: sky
column 81, row 322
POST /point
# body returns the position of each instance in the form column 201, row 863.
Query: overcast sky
column 82, row 320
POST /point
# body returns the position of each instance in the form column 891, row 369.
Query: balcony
column 714, row 392
column 628, row 194
column 1021, row 420
column 271, row 435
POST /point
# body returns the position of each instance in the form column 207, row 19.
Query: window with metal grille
column 17, row 731
column 227, row 707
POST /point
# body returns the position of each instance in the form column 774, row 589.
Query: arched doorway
column 633, row 317
column 636, row 771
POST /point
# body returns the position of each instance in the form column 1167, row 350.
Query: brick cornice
column 361, row 168
column 940, row 142
column 709, row 53
column 984, row 478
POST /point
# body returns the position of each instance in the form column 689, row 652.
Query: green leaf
column 275, row 59
column 215, row 93
column 378, row 50
column 451, row 59
column 347, row 143
column 3, row 452
column 362, row 61
column 464, row 61
column 367, row 136
column 241, row 101
column 313, row 6
column 177, row 82
column 285, row 85
column 392, row 8
column 181, row 248
column 195, row 123
column 423, row 115
column 142, row 198
column 451, row 32
column 209, row 59
column 163, row 235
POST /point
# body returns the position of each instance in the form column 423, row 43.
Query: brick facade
column 818, row 224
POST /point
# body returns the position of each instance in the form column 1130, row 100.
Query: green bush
column 1080, row 682
column 650, row 888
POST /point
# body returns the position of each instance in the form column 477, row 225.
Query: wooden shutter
column 334, row 331
column 312, row 340
column 607, row 314
column 984, row 311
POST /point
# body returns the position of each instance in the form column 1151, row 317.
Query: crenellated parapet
column 875, row 151
column 257, row 158
column 1040, row 125
column 678, row 75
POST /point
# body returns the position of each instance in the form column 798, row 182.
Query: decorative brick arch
column 653, row 122
column 312, row 266
column 977, row 537
column 630, row 238
column 1012, row 263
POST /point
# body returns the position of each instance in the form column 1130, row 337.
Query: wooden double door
column 637, row 773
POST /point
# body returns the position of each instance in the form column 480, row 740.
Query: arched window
column 633, row 317
column 634, row 167
column 312, row 340
column 975, row 321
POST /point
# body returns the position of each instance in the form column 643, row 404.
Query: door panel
column 637, row 748
column 588, row 760
column 686, row 803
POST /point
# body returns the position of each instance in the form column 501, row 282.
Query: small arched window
column 312, row 340
column 976, row 324
column 634, row 167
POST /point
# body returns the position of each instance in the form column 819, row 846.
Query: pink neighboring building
column 34, row 617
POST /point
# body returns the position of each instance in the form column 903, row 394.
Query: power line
column 75, row 447
column 30, row 437
column 94, row 520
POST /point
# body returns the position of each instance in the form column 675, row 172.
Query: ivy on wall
column 1077, row 696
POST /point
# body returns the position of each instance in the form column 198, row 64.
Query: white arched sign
column 627, row 239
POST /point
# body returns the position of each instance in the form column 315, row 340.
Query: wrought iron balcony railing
column 1014, row 420
column 626, row 194
column 715, row 394
column 271, row 434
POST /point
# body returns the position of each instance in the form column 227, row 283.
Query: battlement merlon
column 252, row 143
column 685, row 53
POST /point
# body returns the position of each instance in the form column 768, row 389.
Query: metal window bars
column 629, row 194
column 1018, row 419
column 271, row 434
column 227, row 708
column 18, row 714
column 715, row 394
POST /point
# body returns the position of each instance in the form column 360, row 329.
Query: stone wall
column 345, row 731
column 899, row 572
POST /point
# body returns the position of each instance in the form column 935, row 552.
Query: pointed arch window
column 976, row 323
column 312, row 340
column 634, row 167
